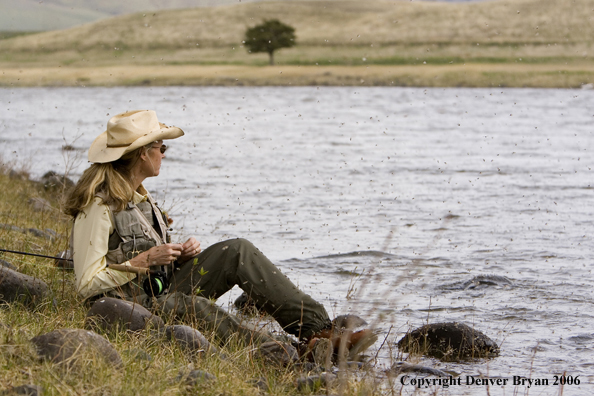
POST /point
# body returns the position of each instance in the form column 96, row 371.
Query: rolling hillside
column 328, row 23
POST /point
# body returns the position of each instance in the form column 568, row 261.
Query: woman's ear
column 144, row 154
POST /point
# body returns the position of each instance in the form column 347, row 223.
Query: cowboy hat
column 128, row 131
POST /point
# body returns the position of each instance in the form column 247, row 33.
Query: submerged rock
column 448, row 341
column 15, row 286
column 68, row 346
column 480, row 282
column 111, row 314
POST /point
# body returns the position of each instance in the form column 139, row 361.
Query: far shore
column 550, row 75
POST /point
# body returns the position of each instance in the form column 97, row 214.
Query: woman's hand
column 190, row 249
column 158, row 255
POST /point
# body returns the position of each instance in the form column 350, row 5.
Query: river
column 376, row 201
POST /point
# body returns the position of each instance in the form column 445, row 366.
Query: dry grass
column 236, row 374
column 472, row 75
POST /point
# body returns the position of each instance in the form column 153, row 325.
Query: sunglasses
column 162, row 148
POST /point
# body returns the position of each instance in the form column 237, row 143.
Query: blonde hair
column 112, row 179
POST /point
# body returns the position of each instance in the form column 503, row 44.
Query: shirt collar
column 140, row 195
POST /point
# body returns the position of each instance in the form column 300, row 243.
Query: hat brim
column 100, row 153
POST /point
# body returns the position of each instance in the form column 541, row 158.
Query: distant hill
column 320, row 23
column 44, row 15
column 35, row 15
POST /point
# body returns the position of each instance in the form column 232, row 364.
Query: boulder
column 55, row 182
column 448, row 341
column 278, row 353
column 15, row 286
column 67, row 346
column 189, row 339
column 111, row 314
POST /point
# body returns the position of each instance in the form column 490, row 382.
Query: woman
column 119, row 232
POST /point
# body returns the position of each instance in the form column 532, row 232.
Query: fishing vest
column 137, row 228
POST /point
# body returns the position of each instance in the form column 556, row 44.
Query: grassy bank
column 493, row 43
column 157, row 374
column 470, row 75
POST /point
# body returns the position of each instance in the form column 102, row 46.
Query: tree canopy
column 269, row 36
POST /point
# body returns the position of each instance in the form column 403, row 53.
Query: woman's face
column 151, row 164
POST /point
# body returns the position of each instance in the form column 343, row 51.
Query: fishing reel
column 155, row 283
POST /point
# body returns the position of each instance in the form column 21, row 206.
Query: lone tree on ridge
column 269, row 36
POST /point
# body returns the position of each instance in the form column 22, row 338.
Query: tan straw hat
column 128, row 131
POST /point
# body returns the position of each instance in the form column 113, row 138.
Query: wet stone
column 480, row 282
column 27, row 390
column 111, row 314
column 277, row 353
column 449, row 341
column 189, row 339
column 15, row 286
column 403, row 367
column 350, row 322
column 67, row 346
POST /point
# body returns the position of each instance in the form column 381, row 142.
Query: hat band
column 118, row 145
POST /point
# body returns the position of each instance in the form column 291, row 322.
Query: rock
column 67, row 346
column 40, row 205
column 448, row 341
column 38, row 233
column 404, row 367
column 28, row 390
column 196, row 377
column 18, row 175
column 246, row 305
column 189, row 339
column 4, row 263
column 350, row 322
column 137, row 354
column 278, row 353
column 53, row 181
column 480, row 282
column 64, row 260
column 314, row 382
column 111, row 314
column 15, row 286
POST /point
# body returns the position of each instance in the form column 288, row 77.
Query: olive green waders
column 214, row 272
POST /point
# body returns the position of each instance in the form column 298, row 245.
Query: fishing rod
column 118, row 267
column 35, row 254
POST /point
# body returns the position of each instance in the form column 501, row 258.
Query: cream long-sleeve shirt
column 91, row 231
